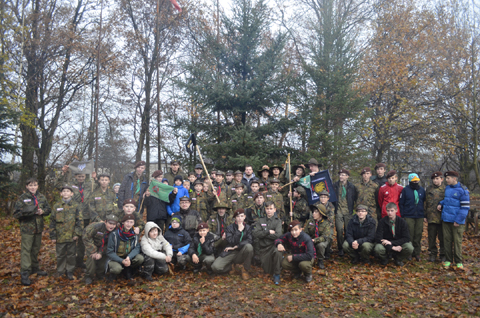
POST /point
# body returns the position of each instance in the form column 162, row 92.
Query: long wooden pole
column 290, row 182
column 206, row 172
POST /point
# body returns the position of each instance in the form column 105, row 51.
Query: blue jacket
column 408, row 208
column 175, row 206
column 456, row 204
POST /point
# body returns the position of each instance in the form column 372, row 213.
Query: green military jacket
column 200, row 204
column 434, row 196
column 254, row 213
column 234, row 184
column 238, row 202
column 95, row 238
column 224, row 194
column 214, row 224
column 277, row 199
column 261, row 231
column 324, row 230
column 301, row 210
column 138, row 220
column 101, row 204
column 366, row 196
column 66, row 221
column 25, row 208
column 170, row 175
column 249, row 200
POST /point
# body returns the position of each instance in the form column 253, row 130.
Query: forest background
column 348, row 82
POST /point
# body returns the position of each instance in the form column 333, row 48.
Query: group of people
column 225, row 222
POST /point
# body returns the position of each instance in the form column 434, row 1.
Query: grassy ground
column 418, row 289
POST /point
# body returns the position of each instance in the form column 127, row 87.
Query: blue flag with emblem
column 316, row 184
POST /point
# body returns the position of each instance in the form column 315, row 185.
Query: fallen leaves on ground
column 417, row 289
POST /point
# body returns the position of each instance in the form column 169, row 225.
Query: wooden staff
column 290, row 185
column 286, row 185
column 208, row 175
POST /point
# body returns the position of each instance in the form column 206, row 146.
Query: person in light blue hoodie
column 454, row 207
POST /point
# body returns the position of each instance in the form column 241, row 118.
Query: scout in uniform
column 129, row 209
column 202, row 249
column 301, row 211
column 277, row 198
column 257, row 210
column 199, row 200
column 217, row 224
column 30, row 209
column 435, row 193
column 366, row 191
column 266, row 230
column 239, row 199
column 95, row 236
column 320, row 230
column 102, row 201
column 66, row 226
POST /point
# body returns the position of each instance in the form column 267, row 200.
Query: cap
column 366, row 169
column 202, row 226
column 391, row 173
column 362, row 207
column 320, row 207
column 452, row 174
column 344, row 171
column 437, row 174
column 185, row 198
column 380, row 165
column 111, row 217
column 140, row 163
column 66, row 186
column 198, row 166
column 129, row 201
column 238, row 212
column 128, row 217
column 293, row 224
column 157, row 173
column 412, row 177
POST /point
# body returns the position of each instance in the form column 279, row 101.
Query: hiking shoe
column 308, row 278
column 418, row 258
column 341, row 253
column 297, row 275
column 384, row 262
column 69, row 275
column 24, row 278
column 460, row 266
column 367, row 261
column 276, row 279
column 245, row 274
column 88, row 281
column 39, row 272
column 355, row 260
column 432, row 258
column 320, row 264
column 399, row 263
column 446, row 264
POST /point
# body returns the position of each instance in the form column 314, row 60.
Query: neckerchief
column 80, row 188
column 104, row 239
column 316, row 228
column 219, row 191
column 137, row 189
column 125, row 236
column 344, row 191
column 222, row 230
column 199, row 249
column 36, row 201
column 393, row 227
column 416, row 196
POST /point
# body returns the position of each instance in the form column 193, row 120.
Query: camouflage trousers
column 363, row 250
column 341, row 222
column 30, row 247
column 116, row 268
column 65, row 257
column 435, row 230
column 81, row 246
column 321, row 248
column 243, row 256
column 452, row 238
column 95, row 267
column 305, row 267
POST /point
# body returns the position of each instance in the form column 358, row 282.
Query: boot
column 111, row 278
column 24, row 279
column 432, row 258
column 39, row 272
column 128, row 273
column 341, row 253
column 320, row 264
column 355, row 260
column 88, row 281
column 245, row 274
column 235, row 269
column 308, row 278
column 69, row 275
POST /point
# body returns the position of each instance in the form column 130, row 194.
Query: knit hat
column 366, row 169
column 391, row 173
column 140, row 163
column 452, row 174
column 176, row 218
column 344, row 171
column 437, row 174
column 202, row 226
column 178, row 178
column 238, row 212
column 164, row 179
column 412, row 177
column 293, row 224
column 129, row 201
column 380, row 165
column 116, row 185
column 157, row 173
column 128, row 217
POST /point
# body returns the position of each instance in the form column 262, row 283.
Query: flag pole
column 206, row 172
column 290, row 182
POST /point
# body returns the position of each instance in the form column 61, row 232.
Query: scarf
column 104, row 239
column 125, row 236
column 415, row 186
column 344, row 192
column 36, row 201
column 199, row 249
column 316, row 228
